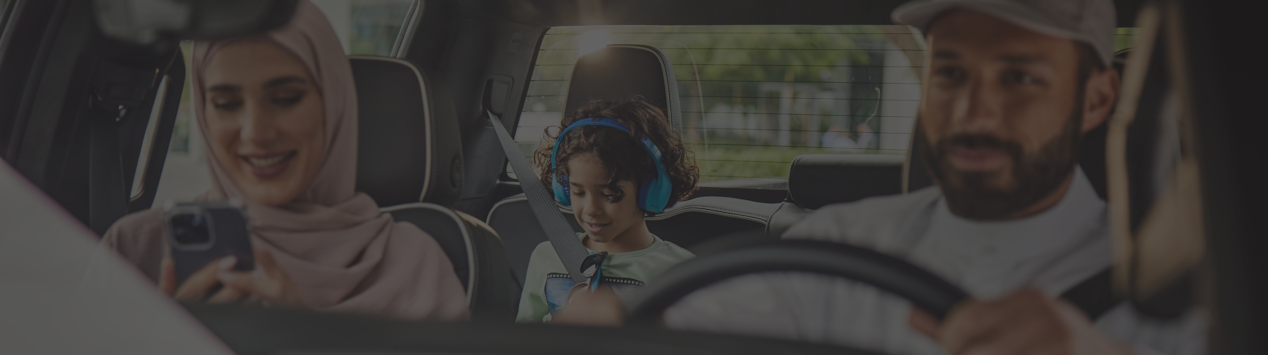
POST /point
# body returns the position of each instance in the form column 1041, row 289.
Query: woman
column 278, row 113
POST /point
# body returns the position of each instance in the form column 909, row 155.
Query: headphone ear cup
column 562, row 194
column 643, row 191
column 654, row 195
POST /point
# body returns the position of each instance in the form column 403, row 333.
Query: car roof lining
column 550, row 13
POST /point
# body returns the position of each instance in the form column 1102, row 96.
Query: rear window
column 753, row 97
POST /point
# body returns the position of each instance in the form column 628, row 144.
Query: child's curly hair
column 621, row 153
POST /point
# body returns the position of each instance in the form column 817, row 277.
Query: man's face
column 1001, row 113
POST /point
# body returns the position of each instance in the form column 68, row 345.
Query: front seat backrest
column 408, row 148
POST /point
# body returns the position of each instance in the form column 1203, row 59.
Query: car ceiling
column 704, row 12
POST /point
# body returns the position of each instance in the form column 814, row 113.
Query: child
column 603, row 164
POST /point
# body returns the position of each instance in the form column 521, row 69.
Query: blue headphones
column 653, row 195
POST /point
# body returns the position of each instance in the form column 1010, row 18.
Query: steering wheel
column 925, row 290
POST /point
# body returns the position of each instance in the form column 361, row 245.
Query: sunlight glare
column 592, row 40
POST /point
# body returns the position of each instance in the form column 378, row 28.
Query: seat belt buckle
column 592, row 268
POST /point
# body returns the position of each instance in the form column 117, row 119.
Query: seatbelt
column 107, row 196
column 571, row 252
column 1095, row 295
column 116, row 89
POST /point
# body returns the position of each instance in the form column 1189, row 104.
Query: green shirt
column 546, row 284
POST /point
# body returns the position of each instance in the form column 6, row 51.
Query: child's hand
column 599, row 308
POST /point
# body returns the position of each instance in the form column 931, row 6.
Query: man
column 1009, row 88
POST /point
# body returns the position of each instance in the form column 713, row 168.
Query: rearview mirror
column 147, row 21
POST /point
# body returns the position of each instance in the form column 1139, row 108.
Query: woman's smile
column 267, row 166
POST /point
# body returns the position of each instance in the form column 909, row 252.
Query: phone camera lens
column 190, row 229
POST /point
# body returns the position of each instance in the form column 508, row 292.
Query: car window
column 4, row 12
column 368, row 27
column 1124, row 37
column 147, row 142
column 365, row 27
column 185, row 169
column 754, row 97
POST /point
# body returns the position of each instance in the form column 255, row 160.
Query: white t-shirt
column 1053, row 251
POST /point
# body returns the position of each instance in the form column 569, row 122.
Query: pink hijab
column 334, row 243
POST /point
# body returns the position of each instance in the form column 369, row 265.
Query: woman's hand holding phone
column 195, row 288
column 268, row 283
column 215, row 253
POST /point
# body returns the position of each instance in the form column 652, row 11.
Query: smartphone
column 200, row 233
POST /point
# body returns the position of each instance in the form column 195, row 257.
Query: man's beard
column 996, row 195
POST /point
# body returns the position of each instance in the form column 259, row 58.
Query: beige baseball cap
column 1088, row 21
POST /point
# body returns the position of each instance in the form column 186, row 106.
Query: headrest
column 1091, row 154
column 620, row 71
column 409, row 148
column 817, row 180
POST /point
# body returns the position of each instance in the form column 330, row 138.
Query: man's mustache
column 978, row 141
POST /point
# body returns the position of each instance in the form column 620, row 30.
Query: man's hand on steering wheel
column 1026, row 322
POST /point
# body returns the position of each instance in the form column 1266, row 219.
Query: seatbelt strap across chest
column 571, row 252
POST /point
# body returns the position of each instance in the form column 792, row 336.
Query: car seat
column 644, row 71
column 410, row 162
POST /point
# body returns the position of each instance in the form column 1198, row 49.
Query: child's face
column 602, row 219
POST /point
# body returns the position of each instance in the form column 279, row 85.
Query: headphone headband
column 602, row 121
column 653, row 195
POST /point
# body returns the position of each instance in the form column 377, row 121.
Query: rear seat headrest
column 817, row 180
column 409, row 148
column 641, row 70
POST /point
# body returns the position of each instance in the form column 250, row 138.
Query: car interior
column 88, row 110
